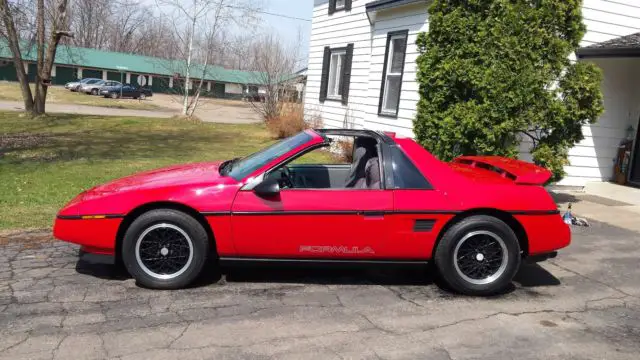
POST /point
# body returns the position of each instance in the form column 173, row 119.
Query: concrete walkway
column 613, row 204
column 89, row 110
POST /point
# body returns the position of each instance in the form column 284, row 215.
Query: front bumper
column 97, row 236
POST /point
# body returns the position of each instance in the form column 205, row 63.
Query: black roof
column 624, row 46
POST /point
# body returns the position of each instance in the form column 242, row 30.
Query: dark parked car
column 126, row 91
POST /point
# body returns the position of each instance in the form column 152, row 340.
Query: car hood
column 109, row 88
column 177, row 175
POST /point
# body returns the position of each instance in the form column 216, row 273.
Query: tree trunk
column 47, row 59
column 194, row 103
column 185, row 100
column 41, row 91
column 14, row 45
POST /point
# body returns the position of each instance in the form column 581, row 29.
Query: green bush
column 494, row 73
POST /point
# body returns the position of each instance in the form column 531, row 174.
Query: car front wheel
column 479, row 255
column 165, row 249
column 114, row 96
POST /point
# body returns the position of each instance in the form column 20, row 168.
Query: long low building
column 162, row 75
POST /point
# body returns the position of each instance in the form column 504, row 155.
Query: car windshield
column 239, row 169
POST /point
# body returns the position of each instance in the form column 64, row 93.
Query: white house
column 365, row 52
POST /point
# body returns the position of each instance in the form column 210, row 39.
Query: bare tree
column 90, row 21
column 124, row 25
column 46, row 47
column 197, row 24
column 155, row 37
column 274, row 64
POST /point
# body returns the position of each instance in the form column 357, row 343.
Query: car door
column 420, row 211
column 124, row 91
column 314, row 219
column 313, row 223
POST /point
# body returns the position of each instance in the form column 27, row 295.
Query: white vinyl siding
column 590, row 160
column 609, row 19
column 414, row 19
column 333, row 31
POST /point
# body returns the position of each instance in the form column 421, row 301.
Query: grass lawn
column 45, row 162
column 56, row 94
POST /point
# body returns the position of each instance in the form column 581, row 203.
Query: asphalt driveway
column 583, row 305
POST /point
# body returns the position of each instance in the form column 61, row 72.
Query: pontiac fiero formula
column 476, row 218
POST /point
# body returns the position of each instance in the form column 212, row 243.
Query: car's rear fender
column 505, row 216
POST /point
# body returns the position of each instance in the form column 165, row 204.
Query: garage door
column 91, row 73
column 65, row 74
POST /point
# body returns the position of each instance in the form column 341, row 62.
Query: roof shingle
column 629, row 41
column 624, row 46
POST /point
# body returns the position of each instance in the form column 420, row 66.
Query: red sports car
column 476, row 218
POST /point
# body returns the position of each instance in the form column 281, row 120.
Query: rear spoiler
column 521, row 172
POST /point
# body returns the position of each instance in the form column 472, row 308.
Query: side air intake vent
column 423, row 225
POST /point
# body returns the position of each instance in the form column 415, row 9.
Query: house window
column 392, row 74
column 339, row 5
column 334, row 89
column 336, row 74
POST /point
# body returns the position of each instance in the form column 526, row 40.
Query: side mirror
column 269, row 188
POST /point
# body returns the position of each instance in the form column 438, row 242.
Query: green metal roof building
column 74, row 63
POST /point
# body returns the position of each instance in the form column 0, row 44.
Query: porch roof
column 624, row 46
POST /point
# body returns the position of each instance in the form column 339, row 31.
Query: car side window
column 405, row 173
column 345, row 163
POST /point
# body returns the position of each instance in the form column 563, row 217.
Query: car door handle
column 373, row 215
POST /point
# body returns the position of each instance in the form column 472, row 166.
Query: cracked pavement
column 585, row 304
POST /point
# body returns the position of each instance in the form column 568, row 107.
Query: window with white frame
column 392, row 76
column 336, row 66
column 339, row 4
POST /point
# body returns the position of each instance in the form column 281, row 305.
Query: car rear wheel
column 479, row 255
column 114, row 96
column 143, row 96
column 165, row 249
column 94, row 92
